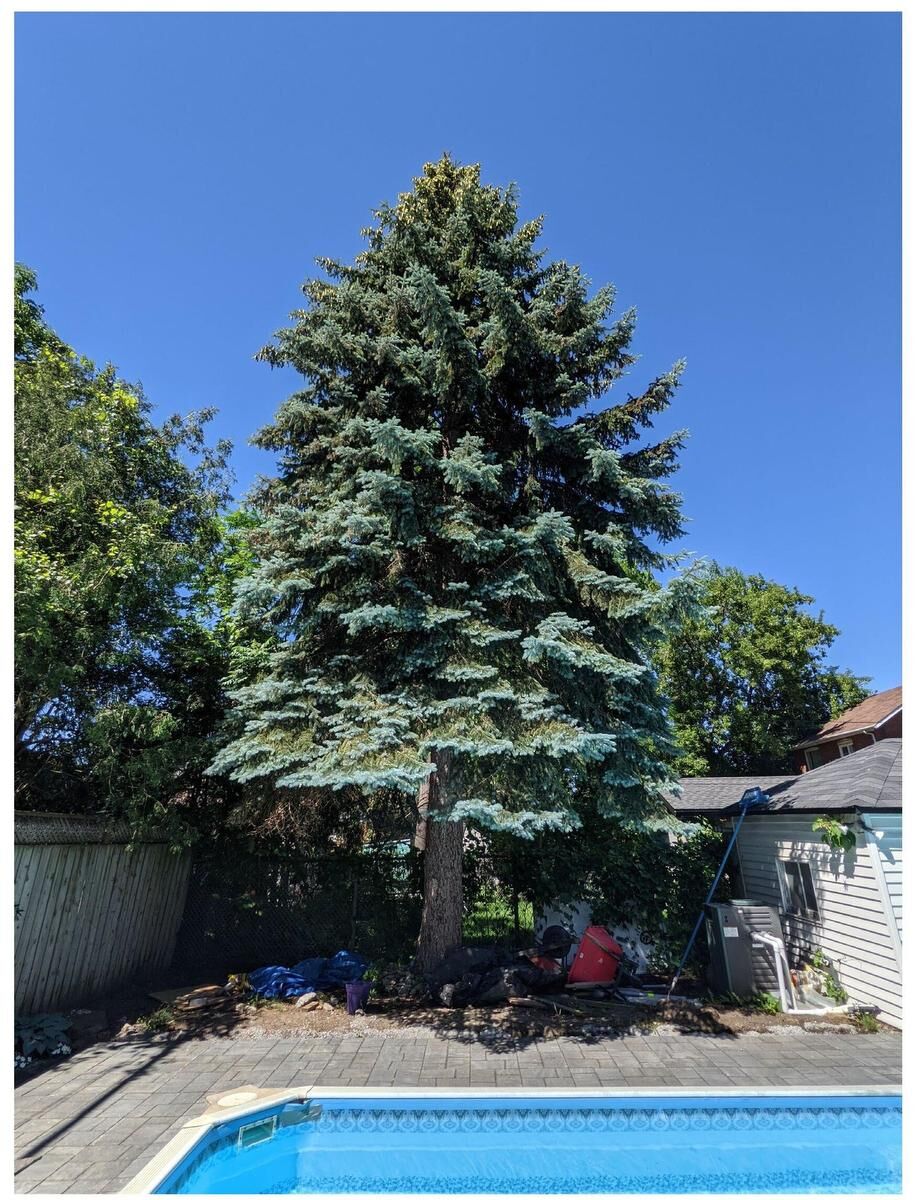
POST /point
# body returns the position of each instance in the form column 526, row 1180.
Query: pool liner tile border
column 193, row 1131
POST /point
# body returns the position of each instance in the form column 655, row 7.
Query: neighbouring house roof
column 861, row 719
column 869, row 779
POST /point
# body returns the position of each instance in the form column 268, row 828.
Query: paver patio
column 90, row 1123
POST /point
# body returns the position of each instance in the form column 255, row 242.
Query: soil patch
column 395, row 1017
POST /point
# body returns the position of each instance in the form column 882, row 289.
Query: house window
column 812, row 758
column 846, row 748
column 799, row 899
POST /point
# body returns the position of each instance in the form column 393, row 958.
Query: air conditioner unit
column 737, row 963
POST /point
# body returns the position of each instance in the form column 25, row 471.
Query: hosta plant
column 44, row 1033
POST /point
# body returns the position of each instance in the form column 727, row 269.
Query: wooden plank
column 178, row 894
column 112, row 954
column 63, row 929
column 55, row 876
column 151, row 878
column 91, row 915
column 142, row 915
column 80, row 973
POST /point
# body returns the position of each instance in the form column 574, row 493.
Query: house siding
column 854, row 930
column 828, row 752
column 888, row 835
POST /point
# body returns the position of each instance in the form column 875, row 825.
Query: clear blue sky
column 736, row 176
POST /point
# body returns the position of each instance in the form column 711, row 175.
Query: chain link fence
column 246, row 911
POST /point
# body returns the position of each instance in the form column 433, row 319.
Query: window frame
column 846, row 747
column 806, row 913
column 815, row 751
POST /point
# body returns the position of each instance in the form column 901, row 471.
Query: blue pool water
column 509, row 1144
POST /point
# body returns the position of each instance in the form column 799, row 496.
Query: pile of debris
column 308, row 984
column 193, row 1000
column 489, row 975
column 538, row 978
column 309, row 975
column 593, row 985
column 400, row 983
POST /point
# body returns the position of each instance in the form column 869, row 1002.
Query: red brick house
column 878, row 717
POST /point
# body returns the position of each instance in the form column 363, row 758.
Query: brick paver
column 91, row 1122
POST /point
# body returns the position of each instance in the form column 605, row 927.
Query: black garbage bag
column 512, row 981
column 493, row 982
column 469, row 960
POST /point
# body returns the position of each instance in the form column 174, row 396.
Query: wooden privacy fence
column 90, row 913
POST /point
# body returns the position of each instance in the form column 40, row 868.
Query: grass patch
column 491, row 919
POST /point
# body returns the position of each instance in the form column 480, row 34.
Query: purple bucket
column 356, row 994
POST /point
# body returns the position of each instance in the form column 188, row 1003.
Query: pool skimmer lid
column 232, row 1099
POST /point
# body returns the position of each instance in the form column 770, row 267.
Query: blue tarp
column 341, row 968
column 278, row 983
column 310, row 969
column 307, row 976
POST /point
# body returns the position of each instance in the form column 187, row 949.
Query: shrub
column 866, row 1022
column 159, row 1021
column 765, row 1002
column 45, row 1033
column 826, row 981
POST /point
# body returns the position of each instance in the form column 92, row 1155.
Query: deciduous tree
column 747, row 676
column 117, row 522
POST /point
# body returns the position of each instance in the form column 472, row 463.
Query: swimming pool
column 548, row 1143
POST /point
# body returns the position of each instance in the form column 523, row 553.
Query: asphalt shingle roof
column 867, row 715
column 869, row 779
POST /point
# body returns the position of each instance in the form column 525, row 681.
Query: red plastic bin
column 598, row 957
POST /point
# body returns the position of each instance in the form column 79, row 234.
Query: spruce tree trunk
column 442, row 841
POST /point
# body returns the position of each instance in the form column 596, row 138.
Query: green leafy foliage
column 44, row 1033
column 835, row 990
column 835, row 834
column 826, row 980
column 746, row 676
column 762, row 1002
column 866, row 1022
column 455, row 555
column 117, row 525
column 160, row 1021
column 728, row 999
column 765, row 1002
column 655, row 879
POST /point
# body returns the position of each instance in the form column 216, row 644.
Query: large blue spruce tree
column 455, row 565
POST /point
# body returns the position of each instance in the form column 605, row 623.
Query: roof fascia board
column 837, row 737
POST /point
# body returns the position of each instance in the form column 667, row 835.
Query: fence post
column 354, row 886
column 516, row 898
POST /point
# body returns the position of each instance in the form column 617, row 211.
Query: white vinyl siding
column 887, row 829
column 853, row 928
